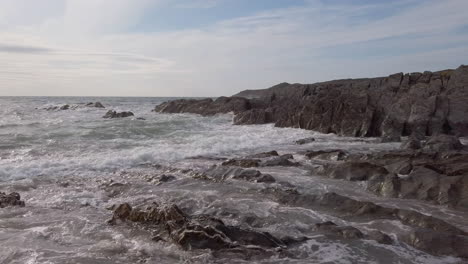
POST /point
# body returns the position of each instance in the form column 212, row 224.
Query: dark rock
column 114, row 114
column 440, row 143
column 354, row 209
column 264, row 155
column 411, row 144
column 283, row 160
column 332, row 155
column 244, row 163
column 12, row 199
column 347, row 232
column 140, row 118
column 356, row 171
column 304, row 141
column 379, row 237
column 439, row 243
column 195, row 231
column 98, row 105
column 65, row 107
column 222, row 173
column 166, row 178
column 205, row 106
column 421, row 104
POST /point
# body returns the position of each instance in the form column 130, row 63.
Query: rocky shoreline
column 425, row 109
column 418, row 104
column 434, row 175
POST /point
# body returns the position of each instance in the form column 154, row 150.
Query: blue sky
column 219, row 47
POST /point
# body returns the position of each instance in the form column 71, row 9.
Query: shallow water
column 64, row 164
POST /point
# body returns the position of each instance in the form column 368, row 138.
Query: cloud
column 91, row 49
column 199, row 4
column 22, row 49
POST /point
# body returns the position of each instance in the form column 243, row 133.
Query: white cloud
column 90, row 51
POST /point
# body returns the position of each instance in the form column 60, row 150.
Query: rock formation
column 114, row 114
column 419, row 104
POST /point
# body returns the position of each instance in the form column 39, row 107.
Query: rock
column 332, row 155
column 222, row 173
column 305, row 141
column 350, row 208
column 347, row 232
column 205, row 107
column 264, row 155
column 412, row 144
column 114, row 114
column 418, row 104
column 355, row 171
column 283, row 160
column 439, row 243
column 440, row 143
column 98, row 105
column 244, row 163
column 65, row 107
column 390, row 138
column 12, row 199
column 379, row 237
column 140, row 118
column 195, row 231
column 166, row 178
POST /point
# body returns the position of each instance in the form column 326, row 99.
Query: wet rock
column 354, row 209
column 195, row 231
column 305, row 141
column 440, row 143
column 140, row 118
column 283, row 160
column 356, row 171
column 347, row 232
column 97, row 105
column 412, row 144
column 388, row 107
column 12, row 199
column 264, row 155
column 65, row 107
column 166, row 178
column 332, row 155
column 390, row 138
column 205, row 107
column 222, row 173
column 439, row 243
column 244, row 163
column 114, row 114
column 379, row 237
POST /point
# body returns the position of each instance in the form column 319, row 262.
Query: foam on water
column 63, row 161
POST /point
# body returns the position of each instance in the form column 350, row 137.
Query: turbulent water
column 63, row 163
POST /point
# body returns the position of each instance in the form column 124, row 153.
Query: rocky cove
column 378, row 174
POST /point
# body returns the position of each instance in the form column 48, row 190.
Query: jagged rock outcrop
column 418, row 104
column 114, row 114
column 12, row 199
column 196, row 231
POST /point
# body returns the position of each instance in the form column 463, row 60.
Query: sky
column 219, row 47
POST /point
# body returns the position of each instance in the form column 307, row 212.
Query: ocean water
column 65, row 164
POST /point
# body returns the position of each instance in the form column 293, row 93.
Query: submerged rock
column 65, row 107
column 332, row 155
column 440, row 143
column 12, row 199
column 262, row 155
column 305, row 141
column 244, row 163
column 114, row 114
column 222, row 173
column 195, row 231
column 355, row 171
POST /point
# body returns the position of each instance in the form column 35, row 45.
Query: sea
column 71, row 166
